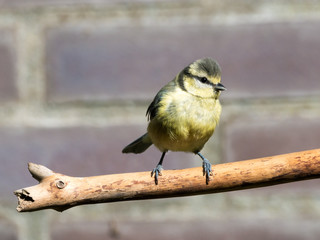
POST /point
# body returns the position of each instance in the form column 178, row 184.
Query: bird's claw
column 156, row 172
column 207, row 170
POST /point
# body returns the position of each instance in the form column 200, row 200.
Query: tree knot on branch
column 60, row 184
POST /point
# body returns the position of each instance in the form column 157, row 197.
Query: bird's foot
column 207, row 169
column 156, row 172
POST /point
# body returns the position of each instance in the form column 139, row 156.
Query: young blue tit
column 184, row 114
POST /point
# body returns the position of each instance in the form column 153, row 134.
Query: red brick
column 77, row 151
column 249, row 139
column 276, row 59
column 8, row 91
column 260, row 137
column 79, row 231
column 230, row 229
column 272, row 59
column 212, row 7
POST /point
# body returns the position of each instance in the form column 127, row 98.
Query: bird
column 184, row 114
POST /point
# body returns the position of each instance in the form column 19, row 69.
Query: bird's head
column 202, row 78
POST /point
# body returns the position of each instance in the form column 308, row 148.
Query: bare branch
column 39, row 172
column 60, row 192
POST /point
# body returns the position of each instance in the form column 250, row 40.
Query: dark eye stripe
column 200, row 79
column 204, row 80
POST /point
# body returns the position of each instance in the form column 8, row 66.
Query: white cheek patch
column 199, row 84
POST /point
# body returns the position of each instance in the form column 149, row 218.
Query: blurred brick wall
column 76, row 78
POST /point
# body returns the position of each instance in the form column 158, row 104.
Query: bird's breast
column 184, row 122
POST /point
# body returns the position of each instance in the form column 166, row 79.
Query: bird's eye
column 204, row 80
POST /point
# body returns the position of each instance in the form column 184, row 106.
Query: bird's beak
column 219, row 87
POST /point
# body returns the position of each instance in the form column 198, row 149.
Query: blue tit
column 184, row 114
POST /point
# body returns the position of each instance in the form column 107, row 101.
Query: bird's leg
column 157, row 170
column 206, row 166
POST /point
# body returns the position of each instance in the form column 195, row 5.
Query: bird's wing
column 157, row 101
column 153, row 107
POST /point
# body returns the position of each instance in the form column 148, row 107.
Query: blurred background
column 76, row 78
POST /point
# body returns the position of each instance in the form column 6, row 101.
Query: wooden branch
column 60, row 192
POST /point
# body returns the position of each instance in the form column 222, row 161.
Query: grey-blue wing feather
column 156, row 103
column 153, row 107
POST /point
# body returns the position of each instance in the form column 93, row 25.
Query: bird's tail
column 139, row 145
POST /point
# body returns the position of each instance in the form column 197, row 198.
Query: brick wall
column 76, row 78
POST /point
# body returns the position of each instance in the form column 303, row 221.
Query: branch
column 60, row 192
